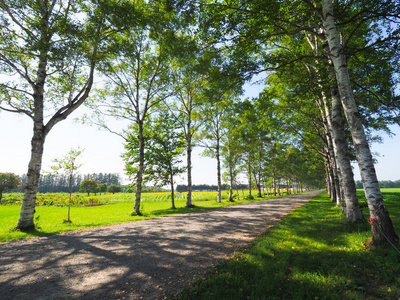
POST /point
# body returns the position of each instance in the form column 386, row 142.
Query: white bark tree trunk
column 249, row 176
column 352, row 209
column 40, row 129
column 189, row 165
column 139, row 174
column 219, row 198
column 25, row 221
column 382, row 227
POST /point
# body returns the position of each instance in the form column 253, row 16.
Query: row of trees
column 389, row 184
column 333, row 66
column 59, row 183
column 175, row 71
column 202, row 187
column 91, row 186
column 54, row 183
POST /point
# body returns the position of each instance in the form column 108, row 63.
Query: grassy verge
column 50, row 218
column 311, row 254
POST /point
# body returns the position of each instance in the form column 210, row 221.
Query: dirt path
column 139, row 260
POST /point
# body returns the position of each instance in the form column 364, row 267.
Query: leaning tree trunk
column 335, row 122
column 381, row 224
column 333, row 164
column 330, row 178
column 327, row 118
column 353, row 210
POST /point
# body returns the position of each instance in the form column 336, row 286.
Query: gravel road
column 148, row 259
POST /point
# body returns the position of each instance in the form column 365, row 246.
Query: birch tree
column 49, row 50
column 68, row 165
column 381, row 224
column 216, row 111
column 266, row 24
column 188, row 82
column 137, row 81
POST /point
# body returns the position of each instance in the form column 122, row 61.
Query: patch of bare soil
column 150, row 259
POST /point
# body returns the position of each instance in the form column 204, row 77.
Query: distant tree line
column 205, row 187
column 384, row 184
column 54, row 183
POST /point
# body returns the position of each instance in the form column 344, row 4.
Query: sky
column 102, row 150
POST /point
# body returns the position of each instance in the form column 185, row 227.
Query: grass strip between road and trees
column 116, row 209
column 310, row 254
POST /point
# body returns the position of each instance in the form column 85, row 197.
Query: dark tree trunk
column 172, row 190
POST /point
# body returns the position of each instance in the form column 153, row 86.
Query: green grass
column 117, row 210
column 311, row 254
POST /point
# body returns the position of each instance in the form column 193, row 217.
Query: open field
column 116, row 209
column 311, row 254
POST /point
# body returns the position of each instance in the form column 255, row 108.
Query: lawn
column 116, row 209
column 310, row 254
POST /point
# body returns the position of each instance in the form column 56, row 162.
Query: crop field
column 81, row 199
column 99, row 210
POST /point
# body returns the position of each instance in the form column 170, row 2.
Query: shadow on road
column 150, row 258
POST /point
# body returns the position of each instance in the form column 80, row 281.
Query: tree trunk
column 230, row 174
column 257, row 175
column 279, row 186
column 327, row 118
column 249, row 175
column 328, row 178
column 25, row 221
column 273, row 179
column 139, row 174
column 172, row 191
column 189, row 169
column 219, row 198
column 381, row 224
column 335, row 122
column 333, row 164
column 70, row 196
column 230, row 198
column 40, row 131
column 259, row 193
column 287, row 187
column 352, row 209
